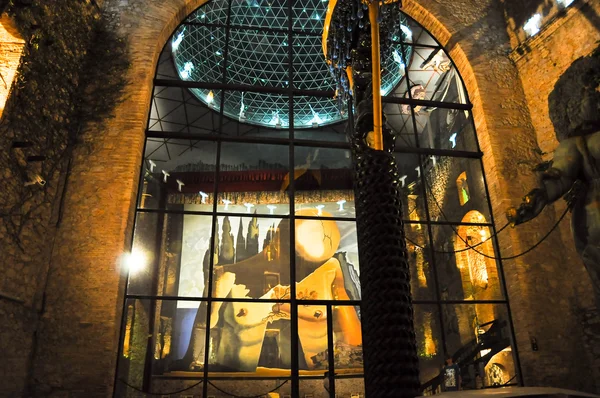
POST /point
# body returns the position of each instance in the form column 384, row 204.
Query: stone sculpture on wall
column 575, row 170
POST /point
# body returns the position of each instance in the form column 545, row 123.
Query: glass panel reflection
column 455, row 187
column 323, row 181
column 178, row 173
column 466, row 273
column 157, row 341
column 352, row 387
column 170, row 255
column 255, row 387
column 478, row 339
column 430, row 346
column 253, row 178
column 312, row 336
column 420, row 260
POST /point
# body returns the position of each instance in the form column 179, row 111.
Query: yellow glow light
column 136, row 261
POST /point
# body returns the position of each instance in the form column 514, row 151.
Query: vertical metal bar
column 330, row 356
column 294, row 346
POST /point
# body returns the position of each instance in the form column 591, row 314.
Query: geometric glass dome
column 261, row 58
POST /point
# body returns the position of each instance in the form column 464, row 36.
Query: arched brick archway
column 102, row 206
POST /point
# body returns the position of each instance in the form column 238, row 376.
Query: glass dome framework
column 257, row 53
column 219, row 195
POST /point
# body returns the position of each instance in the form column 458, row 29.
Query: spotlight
column 152, row 165
column 179, row 185
column 37, row 179
column 248, row 207
column 403, row 180
column 135, row 261
column 320, row 209
column 341, row 204
column 271, row 208
column 227, row 203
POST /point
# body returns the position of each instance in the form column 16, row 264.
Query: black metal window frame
column 292, row 142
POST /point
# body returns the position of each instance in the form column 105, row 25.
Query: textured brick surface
column 78, row 336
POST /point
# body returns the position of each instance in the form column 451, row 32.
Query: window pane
column 478, row 339
column 252, row 258
column 312, row 335
column 323, row 182
column 429, row 341
column 170, row 332
column 419, row 259
column 347, row 340
column 327, row 265
column 250, row 337
column 178, row 173
column 447, row 129
column 252, row 179
column 451, row 181
column 350, row 387
column 466, row 274
column 177, row 110
column 258, row 58
column 314, row 387
column 170, row 255
column 200, row 54
column 398, row 118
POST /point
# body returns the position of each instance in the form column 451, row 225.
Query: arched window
column 244, row 269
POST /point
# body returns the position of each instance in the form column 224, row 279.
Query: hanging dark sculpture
column 575, row 170
column 357, row 35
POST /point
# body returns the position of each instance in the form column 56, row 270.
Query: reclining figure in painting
column 575, row 170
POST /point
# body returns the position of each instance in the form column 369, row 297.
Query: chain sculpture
column 356, row 35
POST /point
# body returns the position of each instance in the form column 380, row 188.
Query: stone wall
column 564, row 37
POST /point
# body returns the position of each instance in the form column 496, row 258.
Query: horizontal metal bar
column 438, row 152
column 247, row 139
column 299, row 32
column 242, row 87
column 425, row 103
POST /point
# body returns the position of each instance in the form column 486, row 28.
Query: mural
column 252, row 260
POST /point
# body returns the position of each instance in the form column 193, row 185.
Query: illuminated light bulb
column 175, row 44
column 135, row 261
column 165, row 175
column 406, row 30
column 434, row 160
column 210, row 97
column 187, row 70
column 227, row 203
column 341, row 204
column 204, row 195
column 483, row 234
column 452, row 140
column 403, row 180
column 271, row 208
column 533, row 24
column 179, row 185
column 248, row 207
column 152, row 165
column 418, row 168
column 320, row 209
